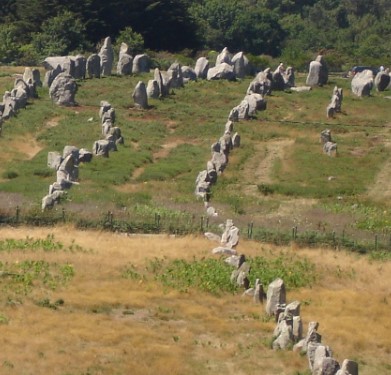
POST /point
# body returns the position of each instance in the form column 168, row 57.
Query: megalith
column 106, row 55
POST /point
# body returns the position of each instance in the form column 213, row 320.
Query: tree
column 61, row 35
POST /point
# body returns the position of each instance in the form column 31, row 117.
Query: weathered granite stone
column 188, row 74
column 93, row 66
column 141, row 64
column 175, row 71
column 153, row 90
column 125, row 64
column 382, row 80
column 240, row 64
column 80, row 67
column 275, row 295
column 318, row 72
column 201, row 68
column 54, row 159
column 101, row 148
column 33, row 74
column 362, row 83
column 63, row 90
column 140, row 96
column 106, row 55
column 221, row 71
column 348, row 367
column 224, row 57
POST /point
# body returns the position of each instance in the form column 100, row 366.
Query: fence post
column 202, row 224
column 375, row 242
column 63, row 214
column 17, row 214
column 207, row 223
column 334, row 244
column 157, row 220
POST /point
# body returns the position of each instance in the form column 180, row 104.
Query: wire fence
column 156, row 223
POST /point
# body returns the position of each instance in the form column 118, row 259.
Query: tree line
column 357, row 31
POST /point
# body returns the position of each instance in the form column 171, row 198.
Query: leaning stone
column 63, row 90
column 256, row 102
column 65, row 62
column 93, row 66
column 233, row 115
column 201, row 67
column 140, row 96
column 106, row 55
column 275, row 295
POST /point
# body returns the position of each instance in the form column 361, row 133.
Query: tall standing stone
column 106, row 55
column 80, row 67
column 201, row 67
column 276, row 295
column 140, row 96
column 63, row 90
column 93, row 66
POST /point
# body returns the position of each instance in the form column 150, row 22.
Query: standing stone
column 201, row 67
column 141, row 64
column 93, row 66
column 318, row 72
column 382, row 80
column 188, row 74
column 63, row 90
column 175, row 72
column 330, row 366
column 348, row 367
column 153, row 90
column 275, row 295
column 224, row 57
column 80, row 67
column 239, row 64
column 34, row 75
column 321, row 353
column 140, row 96
column 106, row 55
column 50, row 75
column 125, row 61
column 362, row 83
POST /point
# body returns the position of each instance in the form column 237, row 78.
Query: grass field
column 106, row 313
column 95, row 302
column 279, row 177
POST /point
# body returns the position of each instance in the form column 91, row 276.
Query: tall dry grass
column 112, row 325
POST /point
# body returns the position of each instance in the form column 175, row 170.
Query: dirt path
column 259, row 168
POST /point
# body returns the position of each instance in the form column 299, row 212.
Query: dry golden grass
column 112, row 325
